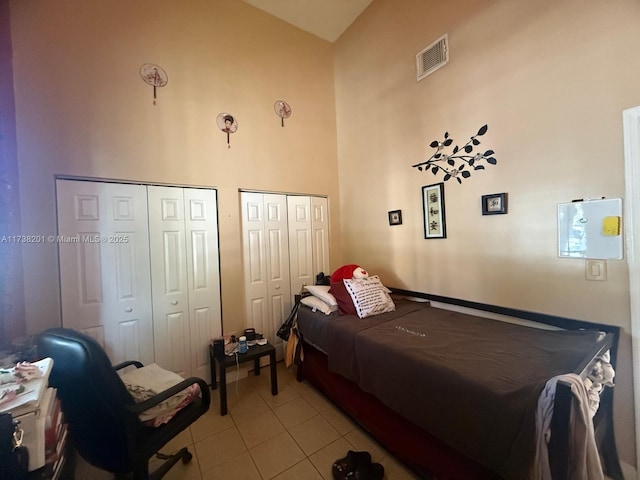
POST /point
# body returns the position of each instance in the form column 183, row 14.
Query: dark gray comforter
column 472, row 382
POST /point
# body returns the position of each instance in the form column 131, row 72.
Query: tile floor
column 296, row 435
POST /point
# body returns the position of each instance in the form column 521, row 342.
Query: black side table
column 254, row 353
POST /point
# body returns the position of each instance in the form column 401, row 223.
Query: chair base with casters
column 170, row 460
column 102, row 416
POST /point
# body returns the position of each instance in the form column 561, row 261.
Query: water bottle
column 242, row 346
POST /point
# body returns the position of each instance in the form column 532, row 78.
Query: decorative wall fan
column 282, row 109
column 155, row 76
column 228, row 124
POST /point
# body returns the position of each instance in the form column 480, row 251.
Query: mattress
column 470, row 381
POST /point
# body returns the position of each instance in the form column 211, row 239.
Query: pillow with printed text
column 370, row 296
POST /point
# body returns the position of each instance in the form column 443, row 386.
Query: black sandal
column 356, row 466
column 373, row 471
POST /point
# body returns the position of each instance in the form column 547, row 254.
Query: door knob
column 175, row 302
column 128, row 309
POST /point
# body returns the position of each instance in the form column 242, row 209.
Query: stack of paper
column 21, row 398
column 30, row 403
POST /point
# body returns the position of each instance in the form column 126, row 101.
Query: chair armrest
column 170, row 392
column 127, row 363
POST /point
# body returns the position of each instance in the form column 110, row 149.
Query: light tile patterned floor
column 296, row 435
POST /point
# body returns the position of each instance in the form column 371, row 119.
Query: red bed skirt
column 418, row 450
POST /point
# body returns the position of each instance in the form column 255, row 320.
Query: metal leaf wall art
column 461, row 161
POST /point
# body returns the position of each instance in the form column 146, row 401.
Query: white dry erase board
column 590, row 229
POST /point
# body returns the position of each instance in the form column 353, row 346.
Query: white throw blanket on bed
column 584, row 461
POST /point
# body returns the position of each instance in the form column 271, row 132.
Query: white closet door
column 320, row 235
column 203, row 275
column 255, row 261
column 266, row 262
column 300, row 242
column 167, row 233
column 103, row 249
column 278, row 284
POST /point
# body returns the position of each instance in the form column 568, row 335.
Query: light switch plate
column 596, row 270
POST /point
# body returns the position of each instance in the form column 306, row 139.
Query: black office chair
column 102, row 417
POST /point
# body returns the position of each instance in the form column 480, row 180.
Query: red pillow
column 345, row 303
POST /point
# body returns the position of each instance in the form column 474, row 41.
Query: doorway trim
column 631, row 128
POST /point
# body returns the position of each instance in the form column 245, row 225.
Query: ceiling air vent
column 433, row 57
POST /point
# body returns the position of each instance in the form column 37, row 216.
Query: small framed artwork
column 433, row 209
column 494, row 204
column 395, row 217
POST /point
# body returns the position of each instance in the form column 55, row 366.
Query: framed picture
column 395, row 217
column 494, row 204
column 433, row 210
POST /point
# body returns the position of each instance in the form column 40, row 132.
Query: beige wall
column 82, row 109
column 551, row 80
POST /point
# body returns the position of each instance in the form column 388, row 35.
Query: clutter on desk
column 230, row 344
column 22, row 387
column 34, row 408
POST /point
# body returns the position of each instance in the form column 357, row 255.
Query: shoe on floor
column 346, row 467
column 357, row 466
column 373, row 471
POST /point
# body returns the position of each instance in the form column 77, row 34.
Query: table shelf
column 255, row 353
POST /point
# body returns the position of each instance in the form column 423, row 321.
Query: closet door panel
column 203, row 277
column 278, row 285
column 300, row 243
column 320, row 235
column 89, row 281
column 276, row 260
column 279, row 303
column 173, row 262
column 80, row 218
column 203, row 322
column 129, row 339
column 169, row 278
column 103, row 245
column 266, row 263
column 255, row 257
column 257, row 314
column 125, row 268
column 254, row 260
column 96, row 333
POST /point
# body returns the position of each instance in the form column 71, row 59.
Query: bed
column 454, row 395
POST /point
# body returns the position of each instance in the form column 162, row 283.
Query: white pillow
column 369, row 295
column 322, row 292
column 316, row 304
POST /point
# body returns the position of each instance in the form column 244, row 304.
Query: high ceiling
column 327, row 19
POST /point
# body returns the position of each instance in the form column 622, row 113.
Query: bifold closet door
column 103, row 245
column 139, row 270
column 300, row 242
column 266, row 263
column 308, row 239
column 320, row 235
column 185, row 277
